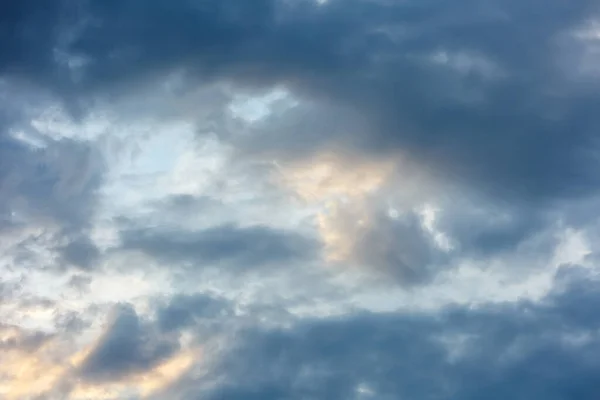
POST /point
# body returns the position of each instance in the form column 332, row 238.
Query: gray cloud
column 527, row 133
column 29, row 35
column 129, row 345
column 522, row 351
column 400, row 249
column 26, row 341
column 476, row 92
column 71, row 322
column 185, row 311
column 484, row 227
column 57, row 182
column 237, row 247
column 488, row 95
column 80, row 252
column 52, row 189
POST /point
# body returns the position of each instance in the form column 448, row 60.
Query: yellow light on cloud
column 340, row 187
column 31, row 373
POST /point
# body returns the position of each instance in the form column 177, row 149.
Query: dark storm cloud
column 129, row 345
column 483, row 93
column 520, row 351
column 28, row 36
column 488, row 94
column 501, row 106
column 525, row 133
column 241, row 248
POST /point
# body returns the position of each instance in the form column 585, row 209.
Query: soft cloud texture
column 521, row 350
column 273, row 199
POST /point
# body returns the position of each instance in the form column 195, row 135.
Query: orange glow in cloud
column 144, row 383
column 340, row 187
column 330, row 177
column 341, row 229
column 26, row 373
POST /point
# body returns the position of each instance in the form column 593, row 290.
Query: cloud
column 56, row 182
column 341, row 199
column 27, row 367
column 142, row 385
column 420, row 76
column 523, row 350
column 400, row 248
column 29, row 36
column 126, row 348
column 13, row 338
column 185, row 311
column 240, row 248
column 394, row 66
column 49, row 187
column 43, row 366
column 80, row 252
column 352, row 196
column 474, row 93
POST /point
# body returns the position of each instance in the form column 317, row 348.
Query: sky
column 299, row 199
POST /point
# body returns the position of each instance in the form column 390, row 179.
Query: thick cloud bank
column 299, row 199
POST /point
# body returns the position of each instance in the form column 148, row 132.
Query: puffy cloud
column 29, row 363
column 125, row 348
column 39, row 365
column 522, row 350
column 298, row 199
column 418, row 76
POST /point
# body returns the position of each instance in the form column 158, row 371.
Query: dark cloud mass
column 479, row 89
column 241, row 248
column 184, row 311
column 520, row 351
column 129, row 346
column 487, row 250
column 57, row 182
column 80, row 252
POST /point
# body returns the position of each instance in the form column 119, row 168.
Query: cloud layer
column 339, row 199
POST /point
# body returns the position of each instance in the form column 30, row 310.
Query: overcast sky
column 299, row 199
